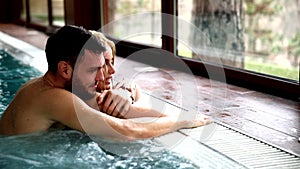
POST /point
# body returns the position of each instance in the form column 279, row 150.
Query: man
column 76, row 63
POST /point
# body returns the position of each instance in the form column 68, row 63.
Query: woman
column 109, row 56
column 137, row 108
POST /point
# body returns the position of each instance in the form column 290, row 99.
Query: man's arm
column 74, row 113
column 116, row 102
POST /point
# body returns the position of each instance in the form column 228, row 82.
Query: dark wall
column 83, row 13
column 10, row 10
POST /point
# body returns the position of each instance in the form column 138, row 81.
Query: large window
column 261, row 36
column 255, row 42
column 43, row 12
column 136, row 21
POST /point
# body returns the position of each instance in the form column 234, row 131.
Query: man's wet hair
column 68, row 43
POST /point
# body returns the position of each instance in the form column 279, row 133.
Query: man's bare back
column 29, row 112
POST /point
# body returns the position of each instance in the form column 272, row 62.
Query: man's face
column 89, row 70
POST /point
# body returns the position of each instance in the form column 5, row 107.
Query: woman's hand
column 115, row 102
column 131, row 87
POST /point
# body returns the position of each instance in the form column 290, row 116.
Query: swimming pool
column 72, row 149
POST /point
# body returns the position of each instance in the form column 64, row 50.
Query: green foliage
column 129, row 7
column 277, row 47
column 294, row 45
column 257, row 9
column 251, row 9
column 262, row 7
column 271, row 69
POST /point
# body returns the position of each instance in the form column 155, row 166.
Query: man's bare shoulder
column 36, row 107
column 38, row 98
column 39, row 88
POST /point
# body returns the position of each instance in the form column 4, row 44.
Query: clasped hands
column 117, row 101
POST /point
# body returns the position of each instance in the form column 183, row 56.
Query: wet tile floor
column 269, row 118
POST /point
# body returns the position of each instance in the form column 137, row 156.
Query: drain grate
column 245, row 150
column 237, row 146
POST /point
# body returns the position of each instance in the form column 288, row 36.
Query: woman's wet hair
column 105, row 40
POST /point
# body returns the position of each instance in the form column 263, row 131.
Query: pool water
column 72, row 149
column 12, row 75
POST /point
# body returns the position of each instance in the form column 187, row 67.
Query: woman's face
column 108, row 74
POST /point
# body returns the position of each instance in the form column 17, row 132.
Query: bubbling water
column 72, row 149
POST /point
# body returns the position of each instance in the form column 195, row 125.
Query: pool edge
column 37, row 56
